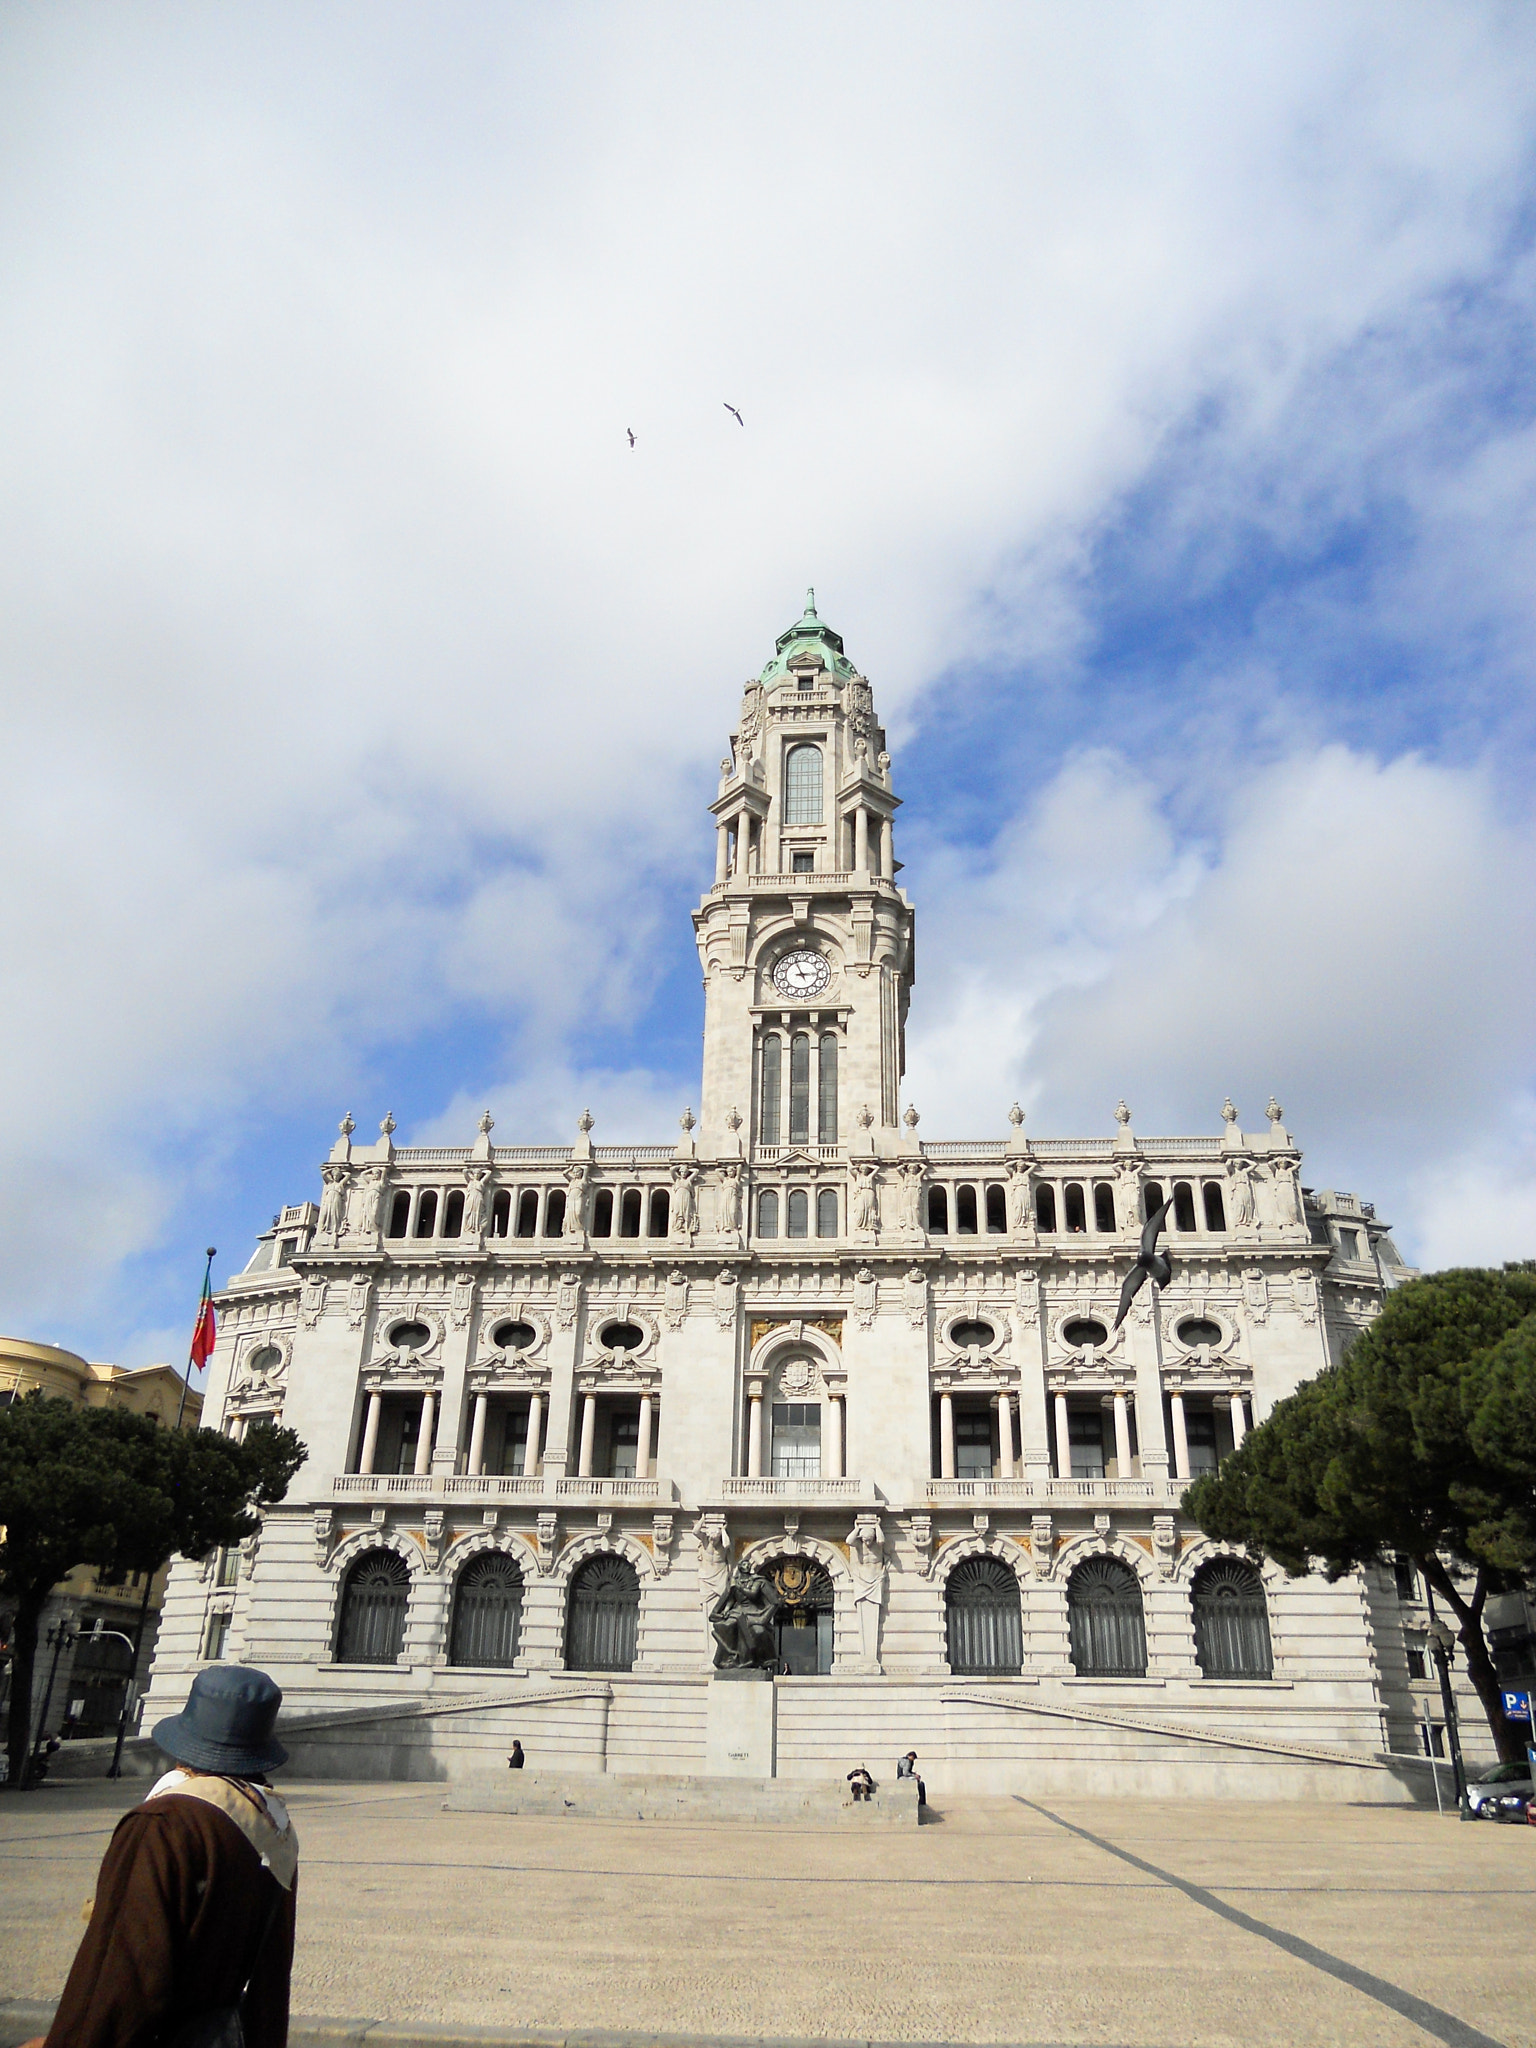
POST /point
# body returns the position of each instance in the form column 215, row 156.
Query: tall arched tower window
column 770, row 1119
column 802, row 786
column 826, row 1093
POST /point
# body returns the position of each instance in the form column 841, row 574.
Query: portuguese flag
column 205, row 1330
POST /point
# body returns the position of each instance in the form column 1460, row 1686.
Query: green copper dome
column 808, row 633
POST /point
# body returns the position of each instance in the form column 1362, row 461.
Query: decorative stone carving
column 433, row 1534
column 358, row 1292
column 798, row 1379
column 1021, row 1214
column 575, row 1225
column 910, row 1215
column 364, row 1203
column 1242, row 1195
column 712, row 1540
column 921, row 1527
column 1256, row 1294
column 683, row 1218
column 866, row 1563
column 1304, row 1294
column 323, row 1523
column 661, row 1541
column 333, row 1203
column 914, row 1296
column 1042, row 1544
column 725, row 1298
column 728, row 1200
column 567, row 1297
column 866, row 1297
column 864, row 1202
column 1164, row 1545
column 476, row 1180
column 677, row 1298
column 548, row 1529
column 1027, row 1297
column 312, row 1296
column 463, row 1300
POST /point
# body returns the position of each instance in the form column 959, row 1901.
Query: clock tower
column 805, row 940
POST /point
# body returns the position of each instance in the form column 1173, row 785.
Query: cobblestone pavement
column 1080, row 1921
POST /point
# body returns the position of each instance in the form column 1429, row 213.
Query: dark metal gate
column 373, row 1610
column 1231, row 1621
column 1104, row 1617
column 487, row 1612
column 603, row 1617
column 982, row 1606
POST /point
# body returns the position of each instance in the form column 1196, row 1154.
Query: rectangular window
column 514, row 1441
column 800, row 1089
column 1416, row 1665
column 1085, row 1433
column 796, row 1440
column 229, row 1568
column 801, row 863
column 973, row 1443
column 1200, row 1429
column 826, row 1112
column 1432, row 1738
column 624, row 1444
column 218, row 1636
column 1405, row 1578
column 773, row 1063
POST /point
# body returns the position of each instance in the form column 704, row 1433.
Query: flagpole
column 202, row 1301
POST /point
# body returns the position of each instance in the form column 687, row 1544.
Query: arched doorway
column 603, row 1615
column 371, row 1629
column 805, row 1627
column 981, row 1606
column 1109, row 1637
column 487, row 1612
column 1231, row 1621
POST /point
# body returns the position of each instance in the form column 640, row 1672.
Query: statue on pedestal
column 744, row 1621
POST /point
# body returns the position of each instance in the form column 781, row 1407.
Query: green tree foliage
column 99, row 1486
column 1421, row 1444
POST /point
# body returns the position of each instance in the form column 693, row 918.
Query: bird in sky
column 731, row 409
column 631, row 433
column 1151, row 1264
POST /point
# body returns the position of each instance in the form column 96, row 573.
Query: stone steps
column 602, row 1795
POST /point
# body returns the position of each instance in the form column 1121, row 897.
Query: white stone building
column 550, row 1393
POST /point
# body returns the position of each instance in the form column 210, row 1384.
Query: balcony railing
column 1060, row 1492
column 752, row 1487
column 607, row 1489
column 488, row 1486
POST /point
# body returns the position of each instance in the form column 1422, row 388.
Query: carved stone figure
column 912, row 1171
column 744, row 1622
column 714, row 1557
column 728, row 1200
column 365, row 1202
column 684, row 1218
column 866, row 1200
column 476, row 1181
column 1242, row 1197
column 866, row 1561
column 576, row 1201
column 1021, row 1216
column 333, row 1203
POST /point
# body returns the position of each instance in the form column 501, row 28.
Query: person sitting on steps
column 906, row 1767
column 863, row 1784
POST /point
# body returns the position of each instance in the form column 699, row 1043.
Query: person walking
column 515, row 1760
column 194, row 1909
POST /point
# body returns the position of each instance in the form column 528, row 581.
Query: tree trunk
column 29, row 1610
column 1508, row 1737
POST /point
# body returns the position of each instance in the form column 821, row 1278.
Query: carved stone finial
column 585, row 1121
column 346, row 1126
column 911, row 1118
column 1273, row 1110
column 688, row 1119
column 726, row 766
column 1016, row 1117
column 1122, row 1112
column 1228, row 1112
column 487, row 1122
column 733, row 1120
column 865, row 1117
column 388, row 1125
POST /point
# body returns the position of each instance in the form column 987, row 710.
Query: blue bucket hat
column 226, row 1725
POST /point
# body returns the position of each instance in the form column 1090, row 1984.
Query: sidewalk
column 1085, row 1923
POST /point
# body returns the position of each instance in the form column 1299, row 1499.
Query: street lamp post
column 59, row 1637
column 1442, row 1643
column 116, row 1769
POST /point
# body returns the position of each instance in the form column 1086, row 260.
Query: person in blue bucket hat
column 190, row 1941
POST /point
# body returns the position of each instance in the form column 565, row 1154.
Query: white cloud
column 353, row 659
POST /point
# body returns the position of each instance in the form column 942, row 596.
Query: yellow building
column 101, row 1615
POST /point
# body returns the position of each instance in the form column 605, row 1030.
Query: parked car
column 1498, row 1782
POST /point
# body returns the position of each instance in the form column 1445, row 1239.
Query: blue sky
column 1147, row 391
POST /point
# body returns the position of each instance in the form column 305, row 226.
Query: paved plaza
column 1082, row 1921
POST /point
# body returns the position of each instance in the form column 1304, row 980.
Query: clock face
column 801, row 974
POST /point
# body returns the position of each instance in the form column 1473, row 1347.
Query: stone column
column 588, row 1437
column 1180, row 1436
column 477, row 1435
column 643, row 1447
column 1122, row 1435
column 424, row 1441
column 861, row 841
column 1005, row 1434
column 887, row 851
column 743, row 843
column 722, row 852
column 755, row 1430
column 946, row 1435
column 371, row 1432
column 834, row 1436
column 1063, row 1440
column 1239, row 1421
column 533, row 1446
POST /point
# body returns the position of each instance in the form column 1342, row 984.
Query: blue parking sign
column 1517, row 1706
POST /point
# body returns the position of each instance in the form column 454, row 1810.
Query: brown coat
column 180, row 1906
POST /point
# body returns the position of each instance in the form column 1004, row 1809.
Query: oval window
column 410, row 1336
column 1197, row 1330
column 964, row 1335
column 1085, row 1330
column 267, row 1359
column 513, row 1336
column 623, row 1337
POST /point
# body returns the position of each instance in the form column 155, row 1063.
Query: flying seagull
column 1151, row 1264
column 631, row 433
column 731, row 409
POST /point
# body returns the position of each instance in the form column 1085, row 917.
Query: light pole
column 1442, row 1643
column 59, row 1637
column 116, row 1770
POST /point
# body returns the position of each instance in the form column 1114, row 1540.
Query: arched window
column 965, row 1211
column 997, row 1211
column 660, row 1211
column 981, row 1607
column 629, row 1213
column 1103, row 1206
column 554, row 1212
column 501, row 1213
column 371, row 1629
column 1183, row 1206
column 1231, row 1621
column 603, row 1616
column 802, row 786
column 487, row 1612
column 1045, row 1210
column 602, row 1213
column 400, row 1214
column 770, row 1120
column 1151, row 1199
column 938, row 1211
column 1076, row 1212
column 798, row 1214
column 1104, row 1619
column 768, row 1213
column 826, row 1212
column 1215, row 1207
column 426, row 1212
column 528, row 1213
column 826, row 1095
column 800, row 1089
column 453, row 1214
